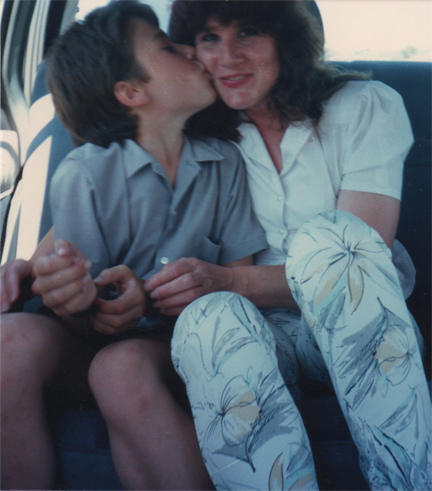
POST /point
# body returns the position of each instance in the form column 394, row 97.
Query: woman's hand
column 124, row 312
column 181, row 282
column 15, row 283
column 63, row 280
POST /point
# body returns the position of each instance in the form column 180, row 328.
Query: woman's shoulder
column 359, row 94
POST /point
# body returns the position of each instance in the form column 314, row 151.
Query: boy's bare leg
column 33, row 348
column 153, row 440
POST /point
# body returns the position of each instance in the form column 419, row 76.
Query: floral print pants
column 354, row 330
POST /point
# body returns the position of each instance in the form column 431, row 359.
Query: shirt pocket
column 205, row 249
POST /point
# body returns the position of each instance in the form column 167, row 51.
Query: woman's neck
column 271, row 130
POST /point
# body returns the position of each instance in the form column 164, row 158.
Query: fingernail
column 154, row 294
column 62, row 251
column 87, row 265
column 97, row 280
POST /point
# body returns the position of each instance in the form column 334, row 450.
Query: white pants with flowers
column 354, row 330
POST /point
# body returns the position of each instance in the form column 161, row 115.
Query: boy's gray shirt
column 118, row 207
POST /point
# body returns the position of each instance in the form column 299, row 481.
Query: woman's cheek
column 207, row 59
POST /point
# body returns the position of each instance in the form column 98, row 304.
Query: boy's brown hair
column 84, row 65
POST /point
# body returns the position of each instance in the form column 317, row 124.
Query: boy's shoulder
column 96, row 161
column 90, row 151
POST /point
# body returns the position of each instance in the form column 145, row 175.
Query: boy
column 136, row 193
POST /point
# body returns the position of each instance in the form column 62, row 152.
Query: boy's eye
column 169, row 48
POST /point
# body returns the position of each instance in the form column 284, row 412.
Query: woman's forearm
column 265, row 286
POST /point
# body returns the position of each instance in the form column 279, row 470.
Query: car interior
column 33, row 143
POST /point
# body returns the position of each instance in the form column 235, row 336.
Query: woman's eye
column 207, row 37
column 248, row 32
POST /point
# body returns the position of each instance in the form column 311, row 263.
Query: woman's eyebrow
column 210, row 26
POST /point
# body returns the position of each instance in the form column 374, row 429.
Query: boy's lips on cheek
column 235, row 80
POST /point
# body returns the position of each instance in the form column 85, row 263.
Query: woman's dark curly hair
column 305, row 79
column 84, row 65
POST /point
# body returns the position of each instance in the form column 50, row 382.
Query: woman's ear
column 131, row 93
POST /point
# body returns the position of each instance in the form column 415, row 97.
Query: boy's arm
column 123, row 313
column 64, row 282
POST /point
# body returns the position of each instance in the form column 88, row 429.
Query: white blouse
column 361, row 143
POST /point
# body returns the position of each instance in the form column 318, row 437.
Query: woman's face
column 243, row 62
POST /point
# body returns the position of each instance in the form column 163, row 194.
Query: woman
column 314, row 143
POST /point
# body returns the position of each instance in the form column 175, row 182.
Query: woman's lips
column 236, row 80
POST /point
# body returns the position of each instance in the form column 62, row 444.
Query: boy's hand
column 13, row 278
column 63, row 280
column 124, row 312
column 181, row 282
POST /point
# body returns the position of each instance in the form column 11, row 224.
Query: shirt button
column 279, row 198
column 164, row 260
column 282, row 231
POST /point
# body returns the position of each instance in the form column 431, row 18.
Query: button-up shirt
column 118, row 206
column 360, row 144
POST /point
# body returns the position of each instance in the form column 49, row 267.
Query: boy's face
column 177, row 82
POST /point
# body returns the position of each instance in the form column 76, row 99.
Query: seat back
column 28, row 217
column 413, row 82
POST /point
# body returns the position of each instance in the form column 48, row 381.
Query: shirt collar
column 193, row 151
column 135, row 157
column 200, row 151
column 294, row 139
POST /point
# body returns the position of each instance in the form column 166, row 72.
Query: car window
column 161, row 7
column 392, row 30
column 377, row 29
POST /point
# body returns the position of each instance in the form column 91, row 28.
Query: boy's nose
column 188, row 51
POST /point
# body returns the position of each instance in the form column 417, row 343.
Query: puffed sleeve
column 241, row 234
column 374, row 139
column 73, row 204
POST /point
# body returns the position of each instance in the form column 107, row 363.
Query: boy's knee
column 110, row 365
column 29, row 348
column 26, row 339
column 123, row 371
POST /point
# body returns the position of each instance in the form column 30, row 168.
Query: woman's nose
column 188, row 51
column 229, row 52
